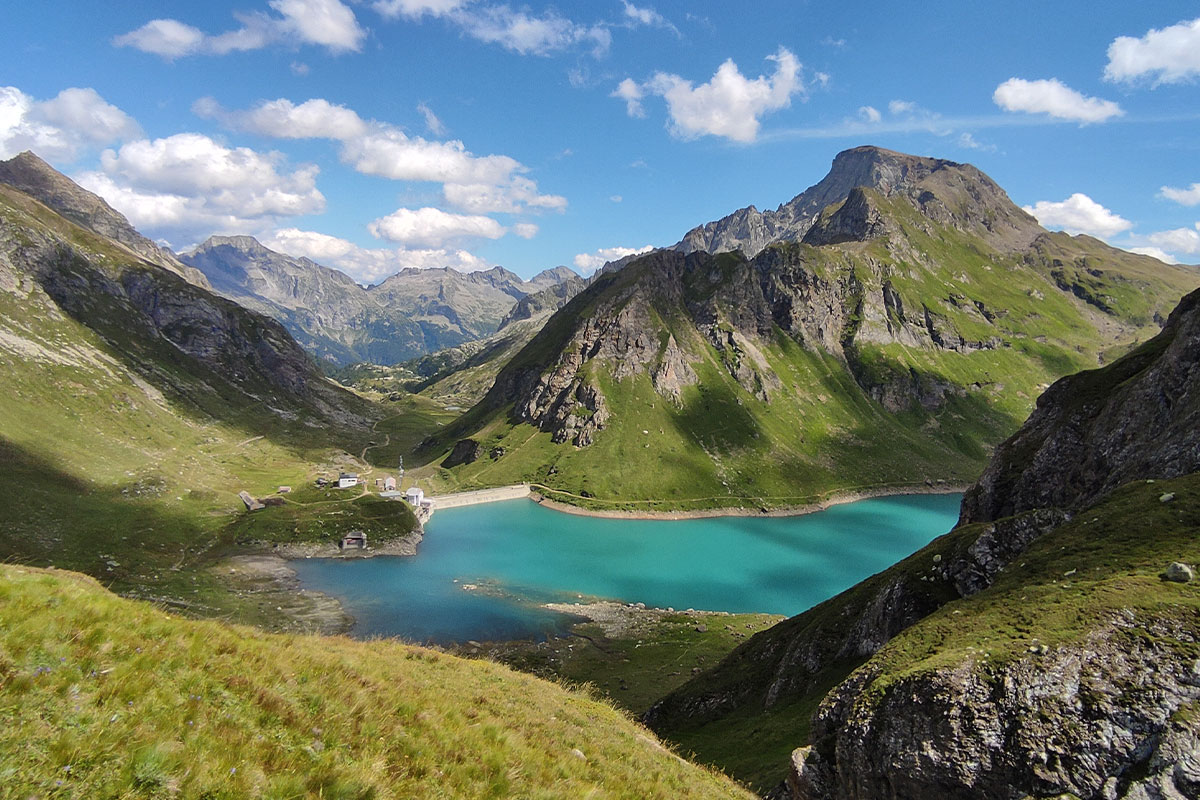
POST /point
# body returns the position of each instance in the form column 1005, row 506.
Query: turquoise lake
column 520, row 554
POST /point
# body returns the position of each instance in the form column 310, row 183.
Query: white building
column 415, row 497
column 347, row 480
column 389, row 484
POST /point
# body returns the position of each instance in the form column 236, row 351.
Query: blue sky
column 376, row 134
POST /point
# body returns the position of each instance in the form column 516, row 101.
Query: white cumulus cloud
column 481, row 184
column 517, row 195
column 526, row 230
column 869, row 114
column 283, row 119
column 729, row 105
column 1155, row 252
column 1055, row 98
column 187, row 186
column 629, row 91
column 432, row 227
column 1185, row 197
column 1179, row 240
column 390, row 153
column 1079, row 214
column 1170, row 55
column 327, row 23
column 168, row 38
column 590, row 262
column 61, row 128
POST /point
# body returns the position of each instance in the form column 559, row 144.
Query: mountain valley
column 913, row 332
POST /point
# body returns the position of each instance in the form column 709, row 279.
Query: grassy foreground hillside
column 105, row 697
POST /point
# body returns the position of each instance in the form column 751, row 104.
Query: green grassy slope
column 104, row 697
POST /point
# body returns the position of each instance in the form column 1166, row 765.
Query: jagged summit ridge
column 33, row 176
column 944, row 190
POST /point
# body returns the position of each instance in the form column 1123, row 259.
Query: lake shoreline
column 835, row 499
column 268, row 568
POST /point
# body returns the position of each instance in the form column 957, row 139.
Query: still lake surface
column 519, row 554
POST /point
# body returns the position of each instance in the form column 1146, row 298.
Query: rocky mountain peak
column 944, row 191
column 246, row 244
column 551, row 277
column 33, row 176
column 878, row 168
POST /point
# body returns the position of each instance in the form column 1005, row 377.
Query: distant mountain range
column 410, row 314
column 903, row 304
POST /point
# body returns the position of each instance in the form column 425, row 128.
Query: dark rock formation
column 1096, row 719
column 465, row 451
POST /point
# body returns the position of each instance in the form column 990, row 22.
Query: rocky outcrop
column 1109, row 717
column 857, row 219
column 1103, row 717
column 410, row 314
column 1137, row 418
column 466, row 451
column 34, row 177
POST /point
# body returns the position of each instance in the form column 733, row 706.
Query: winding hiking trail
column 387, row 440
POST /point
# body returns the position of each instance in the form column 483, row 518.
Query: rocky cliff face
column 33, row 176
column 945, row 191
column 1107, row 717
column 619, row 332
column 1138, row 418
column 412, row 313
